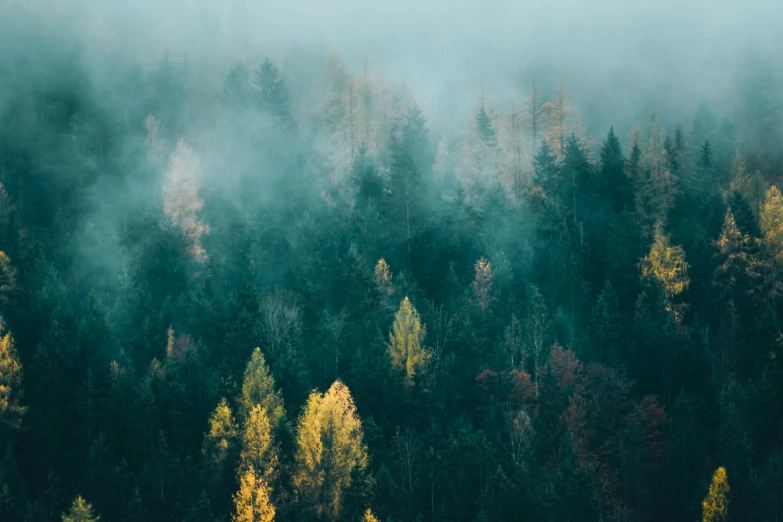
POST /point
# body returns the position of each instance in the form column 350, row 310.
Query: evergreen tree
column 615, row 185
column 546, row 171
column 484, row 127
column 272, row 95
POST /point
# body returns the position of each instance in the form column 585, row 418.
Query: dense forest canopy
column 248, row 277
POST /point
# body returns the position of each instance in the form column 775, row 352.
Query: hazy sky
column 611, row 54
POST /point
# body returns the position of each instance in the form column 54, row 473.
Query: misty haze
column 391, row 261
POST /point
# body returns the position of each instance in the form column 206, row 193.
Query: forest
column 258, row 289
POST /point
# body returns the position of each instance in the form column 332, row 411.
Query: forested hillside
column 260, row 290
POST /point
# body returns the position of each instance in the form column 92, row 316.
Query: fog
column 621, row 60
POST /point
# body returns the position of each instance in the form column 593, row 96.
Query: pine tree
column 546, row 171
column 484, row 127
column 406, row 198
column 251, row 502
column 272, row 95
column 330, row 450
column 576, row 173
column 258, row 388
column 11, row 412
column 605, row 326
column 237, row 91
column 80, row 511
column 615, row 185
column 715, row 504
column 405, row 348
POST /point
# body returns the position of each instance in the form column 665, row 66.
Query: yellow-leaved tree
column 80, row 511
column 369, row 516
column 251, row 502
column 11, row 411
column 666, row 264
column 716, row 503
column 259, row 450
column 482, row 284
column 772, row 222
column 258, row 387
column 405, row 346
column 330, row 450
column 181, row 200
column 222, row 434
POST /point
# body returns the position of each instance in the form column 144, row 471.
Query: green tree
column 614, row 184
column 272, row 95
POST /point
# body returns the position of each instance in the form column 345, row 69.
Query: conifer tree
column 615, row 185
column 484, row 127
column 237, row 92
column 251, row 502
column 405, row 347
column 80, row 511
column 715, row 504
column 369, row 516
column 546, row 170
column 272, row 95
column 330, row 450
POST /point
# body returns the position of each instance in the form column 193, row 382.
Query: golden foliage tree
column 716, row 503
column 80, row 511
column 369, row 516
column 258, row 387
column 181, row 200
column 383, row 277
column 482, row 284
column 221, row 435
column 772, row 222
column 251, row 502
column 11, row 411
column 259, row 451
column 666, row 263
column 329, row 449
column 408, row 354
